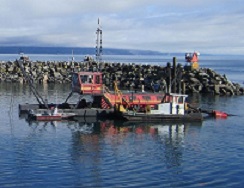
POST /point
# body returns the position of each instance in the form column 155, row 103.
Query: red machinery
column 91, row 83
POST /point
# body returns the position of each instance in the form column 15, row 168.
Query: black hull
column 163, row 117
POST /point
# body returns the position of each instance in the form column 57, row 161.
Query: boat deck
column 81, row 112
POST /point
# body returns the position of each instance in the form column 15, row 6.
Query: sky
column 167, row 26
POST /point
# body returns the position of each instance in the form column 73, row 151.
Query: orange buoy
column 219, row 114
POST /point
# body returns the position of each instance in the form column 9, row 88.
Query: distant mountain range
column 76, row 50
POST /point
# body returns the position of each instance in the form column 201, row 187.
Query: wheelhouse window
column 97, row 79
column 84, row 78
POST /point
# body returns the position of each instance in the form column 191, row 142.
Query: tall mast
column 99, row 48
column 73, row 58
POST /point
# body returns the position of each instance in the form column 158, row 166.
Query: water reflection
column 43, row 126
column 95, row 146
column 92, row 139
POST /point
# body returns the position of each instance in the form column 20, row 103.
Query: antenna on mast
column 99, row 48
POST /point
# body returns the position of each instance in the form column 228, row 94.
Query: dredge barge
column 130, row 106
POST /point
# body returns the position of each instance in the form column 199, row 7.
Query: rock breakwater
column 169, row 78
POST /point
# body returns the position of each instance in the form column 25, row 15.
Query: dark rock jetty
column 170, row 78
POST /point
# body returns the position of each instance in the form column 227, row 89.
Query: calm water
column 113, row 154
